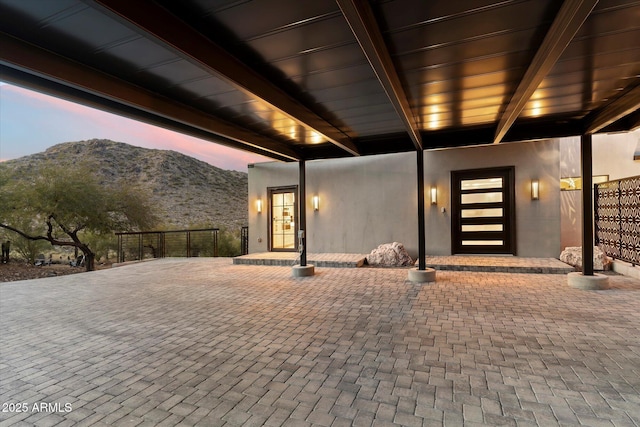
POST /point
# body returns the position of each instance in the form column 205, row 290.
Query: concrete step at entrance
column 499, row 264
column 288, row 259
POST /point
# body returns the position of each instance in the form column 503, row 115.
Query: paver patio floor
column 204, row 342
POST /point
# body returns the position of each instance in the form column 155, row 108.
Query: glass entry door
column 283, row 219
column 483, row 211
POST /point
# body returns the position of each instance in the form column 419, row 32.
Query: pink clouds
column 32, row 121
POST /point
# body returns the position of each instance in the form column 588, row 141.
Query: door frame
column 278, row 190
column 509, row 213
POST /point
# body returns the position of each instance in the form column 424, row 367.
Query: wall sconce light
column 535, row 189
column 316, row 203
column 434, row 196
column 259, row 205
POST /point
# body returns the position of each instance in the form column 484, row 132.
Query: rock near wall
column 572, row 255
column 390, row 255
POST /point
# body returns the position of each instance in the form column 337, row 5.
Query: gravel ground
column 18, row 270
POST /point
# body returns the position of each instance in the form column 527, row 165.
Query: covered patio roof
column 298, row 80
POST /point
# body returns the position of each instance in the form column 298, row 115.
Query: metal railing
column 244, row 240
column 136, row 246
column 617, row 218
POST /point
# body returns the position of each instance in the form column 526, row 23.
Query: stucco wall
column 612, row 155
column 537, row 222
column 366, row 201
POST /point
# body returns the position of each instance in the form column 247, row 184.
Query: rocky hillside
column 186, row 192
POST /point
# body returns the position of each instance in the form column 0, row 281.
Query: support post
column 422, row 273
column 421, row 229
column 587, row 204
column 587, row 280
column 302, row 220
column 303, row 269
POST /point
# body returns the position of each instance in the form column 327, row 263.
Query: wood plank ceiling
column 332, row 78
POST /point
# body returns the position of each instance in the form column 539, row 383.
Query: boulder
column 390, row 255
column 572, row 255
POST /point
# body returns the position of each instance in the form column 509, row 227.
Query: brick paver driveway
column 204, row 342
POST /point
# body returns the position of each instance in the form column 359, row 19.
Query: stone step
column 289, row 259
column 499, row 264
column 496, row 264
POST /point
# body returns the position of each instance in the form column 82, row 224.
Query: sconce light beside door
column 535, row 189
column 434, row 196
column 259, row 205
column 316, row 203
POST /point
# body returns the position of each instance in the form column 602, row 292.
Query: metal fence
column 136, row 246
column 244, row 240
column 617, row 218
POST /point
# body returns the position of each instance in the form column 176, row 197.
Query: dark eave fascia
column 30, row 59
column 363, row 24
column 621, row 107
column 159, row 23
column 634, row 121
column 564, row 27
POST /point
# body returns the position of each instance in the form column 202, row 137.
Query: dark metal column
column 302, row 220
column 422, row 263
column 120, row 252
column 587, row 205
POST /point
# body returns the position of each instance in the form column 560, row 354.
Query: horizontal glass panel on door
column 479, row 184
column 482, row 227
column 482, row 213
column 482, row 242
column 481, row 198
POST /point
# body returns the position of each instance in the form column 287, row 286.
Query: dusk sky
column 30, row 122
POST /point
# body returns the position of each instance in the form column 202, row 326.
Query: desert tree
column 67, row 204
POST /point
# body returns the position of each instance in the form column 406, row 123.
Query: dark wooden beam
column 363, row 24
column 569, row 19
column 30, row 59
column 159, row 23
column 621, row 107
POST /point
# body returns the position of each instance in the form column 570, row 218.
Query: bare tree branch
column 49, row 237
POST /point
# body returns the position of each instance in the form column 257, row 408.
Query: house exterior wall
column 612, row 155
column 366, row 201
column 537, row 221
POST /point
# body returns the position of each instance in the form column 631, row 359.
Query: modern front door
column 283, row 214
column 483, row 211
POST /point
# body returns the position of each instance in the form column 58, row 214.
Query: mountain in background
column 185, row 191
